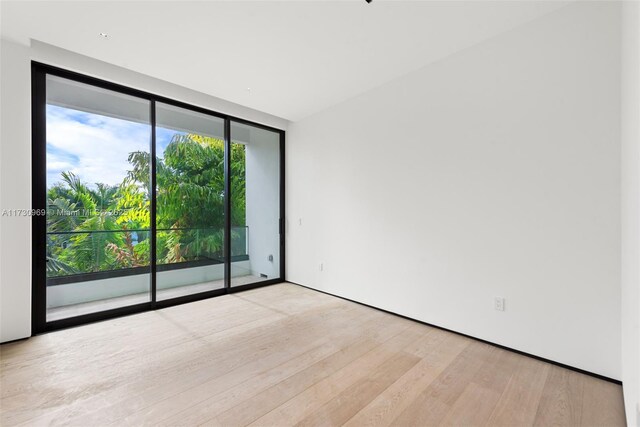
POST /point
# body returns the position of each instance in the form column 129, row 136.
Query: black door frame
column 39, row 323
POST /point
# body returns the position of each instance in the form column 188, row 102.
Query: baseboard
column 533, row 356
column 16, row 340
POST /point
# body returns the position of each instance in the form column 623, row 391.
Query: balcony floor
column 63, row 312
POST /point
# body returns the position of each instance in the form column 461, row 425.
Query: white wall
column 494, row 172
column 263, row 201
column 15, row 166
column 631, row 210
column 15, row 192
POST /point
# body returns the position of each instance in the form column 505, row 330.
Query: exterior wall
column 95, row 290
column 263, row 201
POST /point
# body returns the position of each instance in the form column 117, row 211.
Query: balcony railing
column 78, row 256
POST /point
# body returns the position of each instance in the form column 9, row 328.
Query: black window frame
column 39, row 324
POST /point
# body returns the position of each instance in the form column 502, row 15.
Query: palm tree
column 78, row 232
column 190, row 209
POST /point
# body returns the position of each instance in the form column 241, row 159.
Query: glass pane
column 190, row 202
column 97, row 199
column 255, row 204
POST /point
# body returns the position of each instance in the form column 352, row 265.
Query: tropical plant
column 104, row 228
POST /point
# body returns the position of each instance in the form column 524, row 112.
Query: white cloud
column 93, row 147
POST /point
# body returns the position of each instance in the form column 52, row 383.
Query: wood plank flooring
column 286, row 355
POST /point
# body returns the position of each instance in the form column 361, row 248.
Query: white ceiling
column 298, row 57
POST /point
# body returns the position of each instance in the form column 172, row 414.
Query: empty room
column 320, row 213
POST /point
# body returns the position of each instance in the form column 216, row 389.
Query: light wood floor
column 285, row 355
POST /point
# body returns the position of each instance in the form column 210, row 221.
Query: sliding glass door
column 148, row 202
column 190, row 212
column 255, row 204
column 97, row 206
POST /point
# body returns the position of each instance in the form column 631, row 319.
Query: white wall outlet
column 321, row 266
column 498, row 303
column 299, row 221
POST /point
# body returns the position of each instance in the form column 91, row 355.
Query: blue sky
column 95, row 147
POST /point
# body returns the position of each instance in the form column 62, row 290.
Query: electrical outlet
column 498, row 303
column 321, row 267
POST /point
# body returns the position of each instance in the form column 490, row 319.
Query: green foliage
column 105, row 228
column 193, row 173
